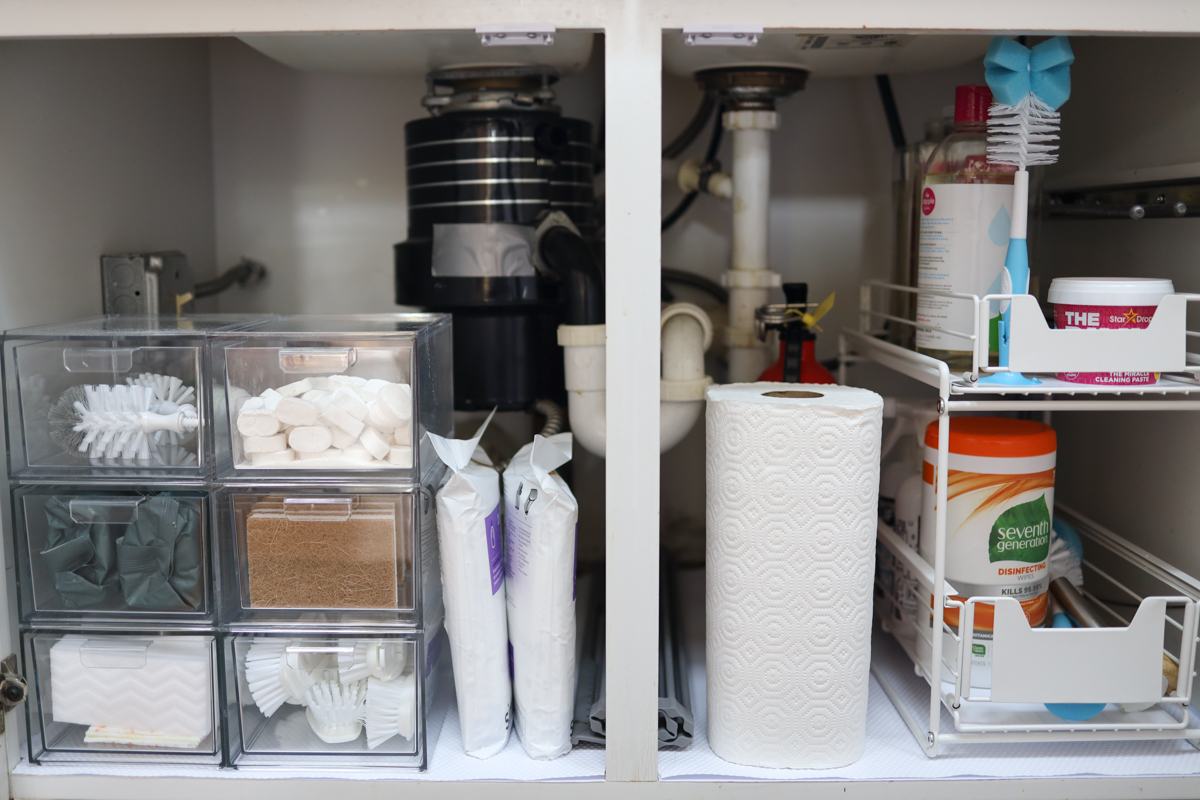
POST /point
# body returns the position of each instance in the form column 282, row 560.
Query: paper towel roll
column 793, row 481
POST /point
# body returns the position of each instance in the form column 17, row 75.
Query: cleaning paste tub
column 1107, row 303
column 1000, row 502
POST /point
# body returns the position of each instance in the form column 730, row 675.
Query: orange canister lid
column 996, row 437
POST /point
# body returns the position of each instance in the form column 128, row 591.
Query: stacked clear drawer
column 163, row 562
column 328, row 578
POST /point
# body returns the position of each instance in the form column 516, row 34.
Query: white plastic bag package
column 469, row 538
column 540, row 516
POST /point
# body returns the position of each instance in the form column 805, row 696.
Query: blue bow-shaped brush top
column 1013, row 71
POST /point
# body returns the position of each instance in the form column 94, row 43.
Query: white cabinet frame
column 633, row 43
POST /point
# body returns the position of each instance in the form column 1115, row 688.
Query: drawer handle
column 114, row 653
column 98, row 359
column 105, row 510
column 320, row 508
column 308, row 360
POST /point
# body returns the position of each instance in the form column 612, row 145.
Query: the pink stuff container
column 1107, row 303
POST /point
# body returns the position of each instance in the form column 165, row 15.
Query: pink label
column 1072, row 316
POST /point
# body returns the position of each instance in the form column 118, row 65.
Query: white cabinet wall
column 119, row 143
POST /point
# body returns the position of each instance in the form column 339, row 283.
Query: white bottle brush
column 1029, row 87
column 122, row 421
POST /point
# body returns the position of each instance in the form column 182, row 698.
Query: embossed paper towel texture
column 792, row 494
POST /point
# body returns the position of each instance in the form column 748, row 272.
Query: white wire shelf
column 1162, row 348
column 1120, row 578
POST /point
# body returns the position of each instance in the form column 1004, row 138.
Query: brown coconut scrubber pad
column 315, row 561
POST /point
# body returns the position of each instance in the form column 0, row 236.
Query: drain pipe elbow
column 686, row 334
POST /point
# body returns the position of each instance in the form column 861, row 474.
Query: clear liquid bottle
column 963, row 230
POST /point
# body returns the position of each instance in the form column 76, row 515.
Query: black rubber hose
column 583, row 281
column 685, row 278
column 689, row 134
column 246, row 273
column 714, row 145
column 890, row 111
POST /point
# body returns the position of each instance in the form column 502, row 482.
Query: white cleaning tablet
column 335, row 415
column 374, row 443
column 271, row 398
column 346, row 380
column 272, row 459
column 356, row 452
column 312, row 394
column 403, row 435
column 264, row 444
column 400, row 456
column 256, row 421
column 380, row 418
column 331, row 453
column 351, row 403
column 296, row 389
column 294, row 411
column 341, row 439
column 398, row 399
column 376, row 384
column 310, row 438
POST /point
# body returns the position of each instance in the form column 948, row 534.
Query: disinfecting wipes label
column 964, row 237
column 997, row 544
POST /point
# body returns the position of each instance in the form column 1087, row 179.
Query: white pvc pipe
column 682, row 349
column 748, row 280
column 751, row 197
column 686, row 334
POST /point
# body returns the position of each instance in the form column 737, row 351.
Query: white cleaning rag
column 540, row 516
column 469, row 540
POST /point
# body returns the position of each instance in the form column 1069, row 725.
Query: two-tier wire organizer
column 1150, row 606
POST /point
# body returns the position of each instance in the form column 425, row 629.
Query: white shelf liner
column 892, row 753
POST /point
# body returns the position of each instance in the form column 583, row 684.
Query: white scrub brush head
column 391, row 709
column 272, row 680
column 380, row 658
column 116, row 421
column 1020, row 134
column 335, row 711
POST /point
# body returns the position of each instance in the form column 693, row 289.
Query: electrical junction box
column 147, row 284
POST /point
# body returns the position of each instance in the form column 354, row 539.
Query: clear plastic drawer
column 90, row 553
column 122, row 697
column 329, row 700
column 303, row 555
column 110, row 396
column 305, row 396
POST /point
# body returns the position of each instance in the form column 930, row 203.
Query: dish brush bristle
column 391, row 709
column 1019, row 134
column 335, row 711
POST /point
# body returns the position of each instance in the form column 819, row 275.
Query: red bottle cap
column 971, row 104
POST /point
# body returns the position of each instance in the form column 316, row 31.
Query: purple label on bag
column 495, row 548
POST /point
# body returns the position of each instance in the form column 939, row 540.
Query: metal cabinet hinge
column 726, row 35
column 515, row 34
